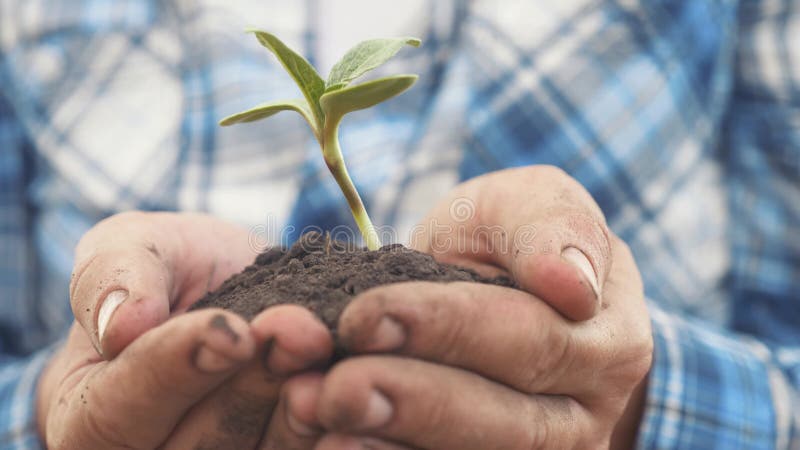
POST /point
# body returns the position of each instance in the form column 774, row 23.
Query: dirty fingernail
column 578, row 259
column 379, row 411
column 208, row 360
column 388, row 335
column 298, row 427
column 110, row 304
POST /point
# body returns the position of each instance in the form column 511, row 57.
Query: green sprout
column 326, row 102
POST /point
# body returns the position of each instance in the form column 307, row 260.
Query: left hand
column 138, row 372
column 473, row 366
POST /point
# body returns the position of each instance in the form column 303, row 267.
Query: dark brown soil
column 324, row 275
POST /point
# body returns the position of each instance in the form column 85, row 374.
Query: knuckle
column 124, row 218
column 535, row 174
column 632, row 364
column 451, row 315
column 437, row 414
column 110, row 227
column 543, row 369
column 437, row 317
column 593, row 442
column 373, row 301
column 78, row 272
column 89, row 282
column 548, row 171
column 569, row 191
column 555, row 178
column 641, row 358
column 546, row 415
column 592, row 235
column 377, row 298
column 537, row 438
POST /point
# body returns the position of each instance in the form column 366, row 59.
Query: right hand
column 148, row 375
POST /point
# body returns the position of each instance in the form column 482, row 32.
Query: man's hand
column 468, row 366
column 168, row 379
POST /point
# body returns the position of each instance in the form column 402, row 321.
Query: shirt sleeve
column 714, row 389
column 739, row 388
column 18, row 380
column 19, row 331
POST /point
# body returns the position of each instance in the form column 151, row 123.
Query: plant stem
column 333, row 158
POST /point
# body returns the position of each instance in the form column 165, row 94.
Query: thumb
column 535, row 223
column 120, row 287
column 564, row 260
column 134, row 269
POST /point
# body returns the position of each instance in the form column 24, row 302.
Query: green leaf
column 342, row 101
column 270, row 108
column 364, row 57
column 303, row 73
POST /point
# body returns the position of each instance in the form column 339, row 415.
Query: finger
column 132, row 269
column 290, row 339
column 500, row 333
column 299, row 340
column 425, row 405
column 336, row 441
column 507, row 335
column 536, row 223
column 136, row 400
column 294, row 425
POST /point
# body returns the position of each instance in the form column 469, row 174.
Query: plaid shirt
column 681, row 117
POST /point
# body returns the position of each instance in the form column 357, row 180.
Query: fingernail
column 379, row 411
column 388, row 335
column 298, row 427
column 208, row 360
column 578, row 259
column 110, row 304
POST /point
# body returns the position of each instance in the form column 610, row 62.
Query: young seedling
column 326, row 102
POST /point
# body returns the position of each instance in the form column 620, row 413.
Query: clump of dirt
column 324, row 275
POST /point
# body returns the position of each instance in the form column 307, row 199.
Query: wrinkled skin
column 557, row 364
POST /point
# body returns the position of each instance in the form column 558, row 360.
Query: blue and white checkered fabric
column 681, row 117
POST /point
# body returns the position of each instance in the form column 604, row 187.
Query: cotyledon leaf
column 267, row 109
column 364, row 57
column 303, row 73
column 342, row 101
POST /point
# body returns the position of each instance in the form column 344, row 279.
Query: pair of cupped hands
column 559, row 363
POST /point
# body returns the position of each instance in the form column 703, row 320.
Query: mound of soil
column 324, row 275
